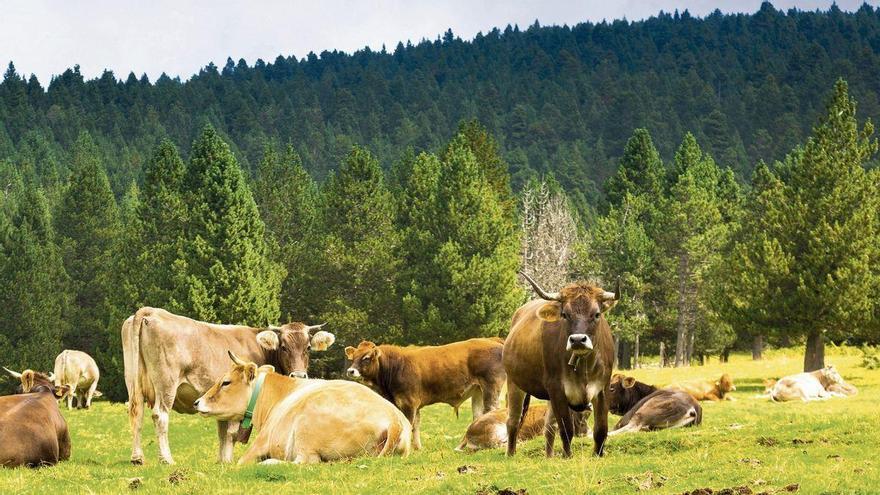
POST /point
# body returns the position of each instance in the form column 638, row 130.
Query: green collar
column 252, row 403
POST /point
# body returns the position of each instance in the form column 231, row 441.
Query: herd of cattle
column 559, row 349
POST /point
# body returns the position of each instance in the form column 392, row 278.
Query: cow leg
column 559, row 406
column 136, row 422
column 417, row 436
column 515, row 399
column 550, row 429
column 227, row 441
column 491, row 393
column 70, row 399
column 412, row 415
column 600, row 422
column 160, row 420
column 477, row 404
column 90, row 393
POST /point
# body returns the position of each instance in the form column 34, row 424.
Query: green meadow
column 749, row 445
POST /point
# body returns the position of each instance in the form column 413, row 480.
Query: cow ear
column 550, row 311
column 27, row 381
column 268, row 339
column 268, row 368
column 322, row 340
column 250, row 372
column 628, row 382
column 349, row 352
column 608, row 304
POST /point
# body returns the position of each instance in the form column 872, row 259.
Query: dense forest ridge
column 558, row 99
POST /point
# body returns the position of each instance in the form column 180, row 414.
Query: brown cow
column 647, row 408
column 32, row 429
column 560, row 348
column 707, row 389
column 489, row 431
column 414, row 377
column 171, row 360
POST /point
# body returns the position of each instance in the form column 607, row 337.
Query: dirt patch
column 801, row 441
column 647, row 480
column 135, row 483
column 736, row 490
column 178, row 476
column 767, row 442
column 466, row 469
column 494, row 490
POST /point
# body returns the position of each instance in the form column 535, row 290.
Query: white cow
column 815, row 385
column 78, row 371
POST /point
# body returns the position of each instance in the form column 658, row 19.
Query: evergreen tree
column 359, row 259
column 290, row 205
column 226, row 266
column 639, row 173
column 88, row 229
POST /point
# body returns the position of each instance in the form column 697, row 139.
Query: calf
column 489, row 431
column 32, row 429
column 79, row 372
column 414, row 377
column 560, row 349
column 815, row 385
column 707, row 389
column 306, row 421
column 653, row 409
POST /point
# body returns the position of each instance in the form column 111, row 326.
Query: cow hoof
column 168, row 461
column 137, row 461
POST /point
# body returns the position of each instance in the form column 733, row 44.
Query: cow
column 414, row 377
column 707, row 389
column 171, row 360
column 32, row 429
column 489, row 431
column 79, row 372
column 815, row 385
column 644, row 407
column 306, row 421
column 560, row 349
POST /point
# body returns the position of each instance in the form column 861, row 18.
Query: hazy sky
column 180, row 36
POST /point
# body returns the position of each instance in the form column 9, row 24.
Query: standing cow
column 560, row 349
column 171, row 360
column 32, row 430
column 78, row 371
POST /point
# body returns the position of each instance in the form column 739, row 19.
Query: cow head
column 830, row 376
column 623, row 394
column 364, row 360
column 227, row 399
column 725, row 384
column 34, row 381
column 578, row 308
column 291, row 344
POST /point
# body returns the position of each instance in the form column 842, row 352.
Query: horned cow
column 32, row 429
column 79, row 372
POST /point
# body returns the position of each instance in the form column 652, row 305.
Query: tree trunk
column 616, row 351
column 636, row 353
column 785, row 341
column 624, row 356
column 690, row 349
column 681, row 330
column 662, row 354
column 758, row 348
column 725, row 355
column 814, row 358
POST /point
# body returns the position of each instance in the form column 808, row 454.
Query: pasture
column 821, row 447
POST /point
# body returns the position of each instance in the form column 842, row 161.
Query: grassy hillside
column 823, row 447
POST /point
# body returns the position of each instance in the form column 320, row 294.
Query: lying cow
column 172, row 360
column 560, row 348
column 306, row 421
column 489, row 431
column 414, row 377
column 707, row 389
column 32, row 429
column 645, row 408
column 815, row 385
column 79, row 372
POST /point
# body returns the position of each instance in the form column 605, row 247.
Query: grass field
column 823, row 447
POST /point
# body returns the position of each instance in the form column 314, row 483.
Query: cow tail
column 524, row 411
column 698, row 417
column 396, row 439
column 131, row 354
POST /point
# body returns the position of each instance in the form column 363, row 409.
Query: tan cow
column 171, row 360
column 815, row 385
column 33, row 432
column 707, row 389
column 414, row 377
column 560, row 349
column 306, row 421
column 78, row 371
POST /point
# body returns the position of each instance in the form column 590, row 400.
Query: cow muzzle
column 298, row 374
column 199, row 406
column 352, row 372
column 579, row 343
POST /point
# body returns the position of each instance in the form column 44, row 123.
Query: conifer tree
column 88, row 228
column 640, row 171
column 226, row 267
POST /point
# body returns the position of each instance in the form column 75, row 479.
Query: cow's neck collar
column 252, row 403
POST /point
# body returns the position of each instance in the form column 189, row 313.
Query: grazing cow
column 32, row 429
column 815, row 385
column 79, row 372
column 306, row 421
column 647, row 408
column 707, row 389
column 560, row 348
column 172, row 360
column 414, row 377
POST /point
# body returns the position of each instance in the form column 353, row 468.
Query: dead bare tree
column 549, row 232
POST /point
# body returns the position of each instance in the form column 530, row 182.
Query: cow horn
column 315, row 327
column 14, row 374
column 612, row 296
column 235, row 359
column 550, row 296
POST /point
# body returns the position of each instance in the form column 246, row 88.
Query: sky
column 179, row 37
